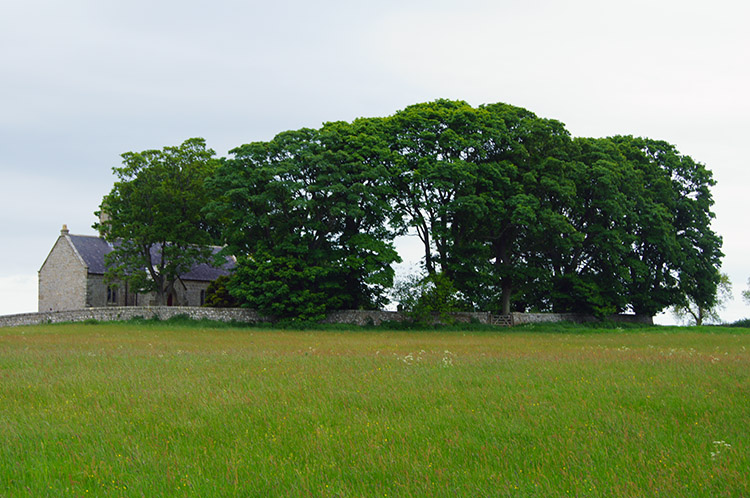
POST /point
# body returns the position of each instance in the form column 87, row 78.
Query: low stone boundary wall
column 526, row 318
column 376, row 317
column 115, row 313
column 352, row 317
column 364, row 317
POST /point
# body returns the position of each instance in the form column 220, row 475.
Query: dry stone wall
column 351, row 317
column 527, row 318
column 376, row 317
column 115, row 313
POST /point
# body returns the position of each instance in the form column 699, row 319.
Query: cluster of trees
column 512, row 212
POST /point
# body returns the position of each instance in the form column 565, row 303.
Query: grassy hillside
column 160, row 409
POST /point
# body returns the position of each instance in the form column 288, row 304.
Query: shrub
column 428, row 298
column 218, row 296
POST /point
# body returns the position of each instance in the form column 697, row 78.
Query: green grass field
column 175, row 409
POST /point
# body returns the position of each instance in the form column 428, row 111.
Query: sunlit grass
column 177, row 410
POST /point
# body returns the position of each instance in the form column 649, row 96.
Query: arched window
column 111, row 295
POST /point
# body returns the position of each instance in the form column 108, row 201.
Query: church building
column 72, row 277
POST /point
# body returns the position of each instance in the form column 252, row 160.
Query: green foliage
column 746, row 293
column 696, row 314
column 580, row 294
column 307, row 215
column 484, row 189
column 744, row 323
column 584, row 261
column 510, row 210
column 436, row 147
column 425, row 299
column 284, row 287
column 674, row 254
column 217, row 294
column 153, row 216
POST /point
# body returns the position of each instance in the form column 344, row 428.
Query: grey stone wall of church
column 191, row 292
column 97, row 294
column 187, row 295
column 96, row 291
column 62, row 279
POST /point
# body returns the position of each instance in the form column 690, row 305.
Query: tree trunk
column 506, row 296
column 424, row 236
column 503, row 264
column 157, row 277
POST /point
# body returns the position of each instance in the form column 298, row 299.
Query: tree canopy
column 153, row 217
column 513, row 214
column 307, row 215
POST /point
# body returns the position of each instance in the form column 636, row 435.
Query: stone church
column 72, row 277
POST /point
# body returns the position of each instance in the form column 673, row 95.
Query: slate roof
column 93, row 249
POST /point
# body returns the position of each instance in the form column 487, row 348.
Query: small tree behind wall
column 425, row 298
column 694, row 314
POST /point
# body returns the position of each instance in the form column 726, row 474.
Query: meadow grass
column 195, row 409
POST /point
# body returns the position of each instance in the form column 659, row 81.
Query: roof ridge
column 90, row 236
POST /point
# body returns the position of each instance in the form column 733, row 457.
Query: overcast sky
column 84, row 81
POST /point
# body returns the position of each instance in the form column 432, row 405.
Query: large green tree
column 586, row 270
column 306, row 214
column 437, row 148
column 525, row 186
column 642, row 239
column 153, row 217
column 675, row 255
column 484, row 189
column 519, row 216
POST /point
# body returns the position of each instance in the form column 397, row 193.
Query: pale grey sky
column 84, row 81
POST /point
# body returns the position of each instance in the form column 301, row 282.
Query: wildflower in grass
column 448, row 358
column 718, row 447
